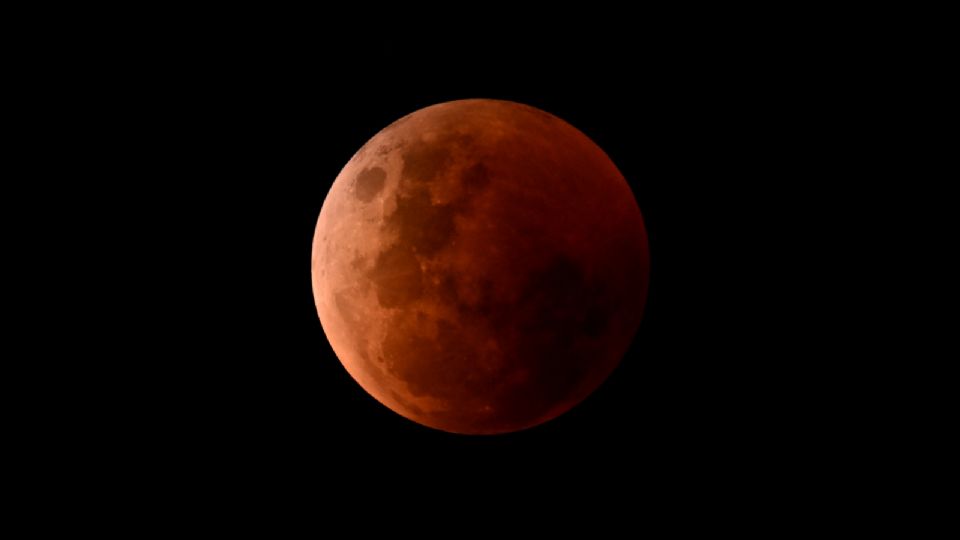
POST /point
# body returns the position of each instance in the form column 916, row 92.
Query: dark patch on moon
column 559, row 369
column 423, row 226
column 483, row 308
column 566, row 302
column 446, row 289
column 422, row 162
column 385, row 149
column 397, row 276
column 475, row 178
column 345, row 309
column 558, row 306
column 370, row 182
column 443, row 367
column 482, row 303
column 358, row 262
column 596, row 320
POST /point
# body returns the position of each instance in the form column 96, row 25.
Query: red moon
column 480, row 266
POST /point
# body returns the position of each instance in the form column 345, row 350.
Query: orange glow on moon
column 480, row 266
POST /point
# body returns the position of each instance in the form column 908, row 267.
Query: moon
column 480, row 266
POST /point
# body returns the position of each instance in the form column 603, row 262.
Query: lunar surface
column 480, row 266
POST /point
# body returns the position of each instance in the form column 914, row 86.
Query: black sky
column 231, row 138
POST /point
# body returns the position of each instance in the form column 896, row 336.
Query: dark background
column 166, row 176
column 224, row 139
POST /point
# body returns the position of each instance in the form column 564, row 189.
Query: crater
column 369, row 183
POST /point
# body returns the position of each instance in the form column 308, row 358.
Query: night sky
column 246, row 129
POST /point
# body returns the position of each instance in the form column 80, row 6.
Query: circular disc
column 480, row 266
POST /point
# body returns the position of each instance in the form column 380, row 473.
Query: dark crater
column 369, row 183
